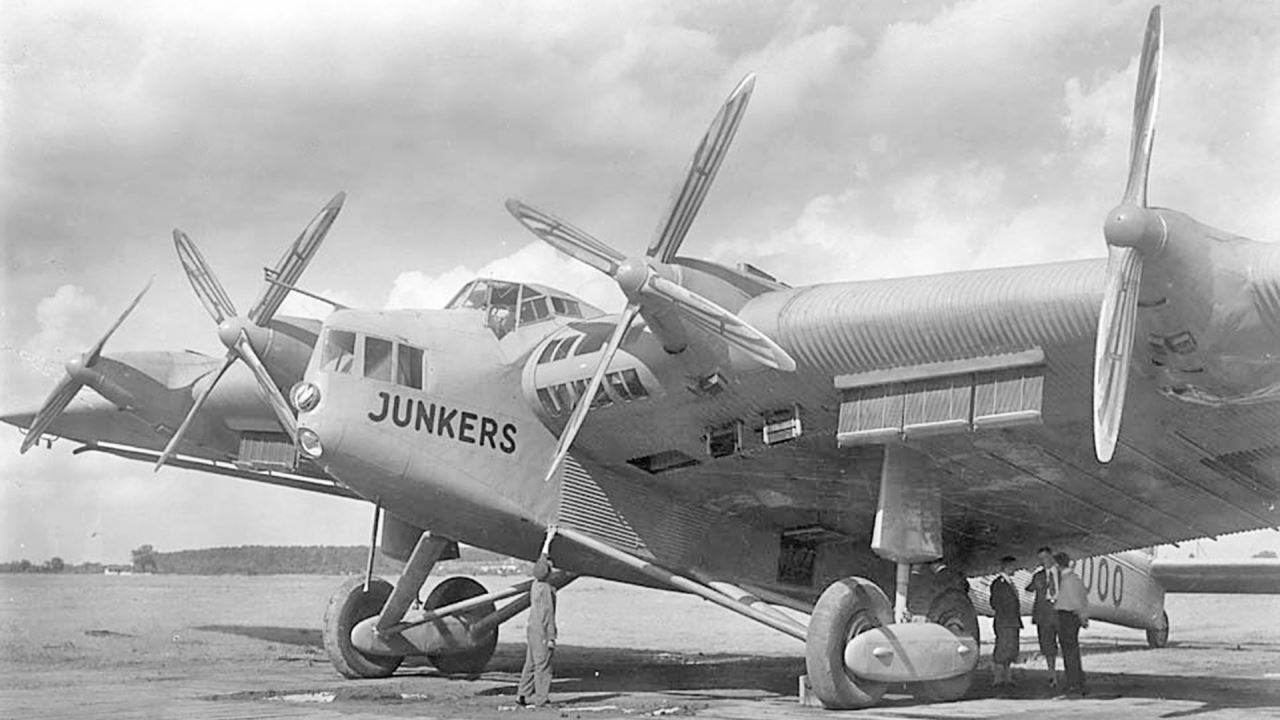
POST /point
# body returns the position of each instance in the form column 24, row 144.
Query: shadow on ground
column 599, row 673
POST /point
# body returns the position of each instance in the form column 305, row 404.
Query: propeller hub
column 78, row 367
column 1131, row 226
column 229, row 330
column 632, row 275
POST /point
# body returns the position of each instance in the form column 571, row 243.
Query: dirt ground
column 250, row 647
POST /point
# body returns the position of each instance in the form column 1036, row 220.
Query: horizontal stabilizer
column 1255, row 576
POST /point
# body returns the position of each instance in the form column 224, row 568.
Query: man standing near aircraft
column 1045, row 586
column 1072, row 605
column 1008, row 621
column 535, row 678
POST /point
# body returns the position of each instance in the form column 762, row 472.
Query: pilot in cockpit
column 502, row 308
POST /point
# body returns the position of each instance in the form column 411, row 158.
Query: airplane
column 796, row 455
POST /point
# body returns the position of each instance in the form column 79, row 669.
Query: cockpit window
column 339, row 351
column 377, row 359
column 511, row 305
column 565, row 306
column 533, row 310
column 409, row 366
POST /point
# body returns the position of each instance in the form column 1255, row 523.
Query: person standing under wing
column 1007, row 608
column 535, row 678
column 1073, row 613
column 1045, row 586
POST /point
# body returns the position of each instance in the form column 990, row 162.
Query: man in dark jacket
column 535, row 678
column 1007, row 607
column 1043, row 615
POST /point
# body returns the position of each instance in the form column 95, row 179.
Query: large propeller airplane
column 831, row 461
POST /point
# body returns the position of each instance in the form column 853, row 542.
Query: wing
column 141, row 397
column 985, row 373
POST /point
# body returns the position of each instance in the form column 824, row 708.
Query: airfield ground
column 250, row 647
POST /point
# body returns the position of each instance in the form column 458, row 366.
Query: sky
column 883, row 139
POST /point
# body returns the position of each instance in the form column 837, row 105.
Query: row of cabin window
column 560, row 399
column 586, row 344
column 383, row 359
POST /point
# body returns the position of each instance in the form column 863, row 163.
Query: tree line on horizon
column 270, row 560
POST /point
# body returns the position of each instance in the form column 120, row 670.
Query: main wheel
column 953, row 610
column 472, row 661
column 348, row 606
column 847, row 608
column 1159, row 638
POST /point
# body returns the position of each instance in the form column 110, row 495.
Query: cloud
column 534, row 263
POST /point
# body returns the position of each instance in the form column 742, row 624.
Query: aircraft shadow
column 1210, row 693
column 596, row 674
column 306, row 637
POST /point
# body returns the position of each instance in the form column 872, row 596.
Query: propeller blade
column 589, row 393
column 1114, row 347
column 1144, row 111
column 96, row 351
column 268, row 386
column 706, row 161
column 1130, row 230
column 57, row 401
column 709, row 316
column 566, row 238
column 203, row 281
column 295, row 261
column 172, row 446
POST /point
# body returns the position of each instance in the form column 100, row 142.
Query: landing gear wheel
column 1159, row 638
column 847, row 608
column 348, row 606
column 473, row 661
column 953, row 610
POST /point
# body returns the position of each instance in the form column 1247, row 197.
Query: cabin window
column 409, row 366
column 377, row 359
column 339, row 351
column 566, row 345
column 548, row 403
column 547, row 351
column 563, row 400
column 626, row 383
column 592, row 342
column 600, row 400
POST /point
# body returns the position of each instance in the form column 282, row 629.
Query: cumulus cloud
column 535, row 262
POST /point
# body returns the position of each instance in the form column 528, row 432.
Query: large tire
column 348, row 606
column 1159, row 638
column 954, row 611
column 470, row 662
column 847, row 608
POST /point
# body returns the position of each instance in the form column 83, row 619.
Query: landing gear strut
column 858, row 643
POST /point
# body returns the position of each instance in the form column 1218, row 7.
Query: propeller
column 640, row 278
column 75, row 379
column 1132, row 230
column 238, row 333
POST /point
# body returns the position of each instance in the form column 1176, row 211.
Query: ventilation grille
column 266, row 450
column 585, row 507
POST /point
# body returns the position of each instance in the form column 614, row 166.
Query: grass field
column 173, row 639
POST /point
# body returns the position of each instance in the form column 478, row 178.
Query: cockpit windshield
column 510, row 305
